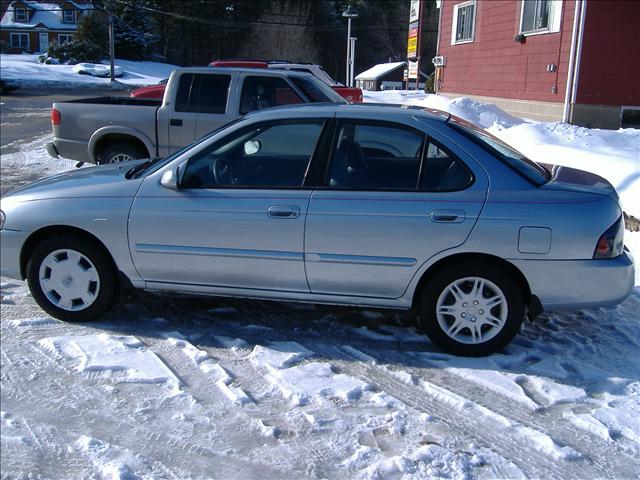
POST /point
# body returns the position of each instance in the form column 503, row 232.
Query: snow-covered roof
column 379, row 70
column 48, row 15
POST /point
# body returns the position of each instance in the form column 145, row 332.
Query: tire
column 121, row 152
column 72, row 279
column 453, row 320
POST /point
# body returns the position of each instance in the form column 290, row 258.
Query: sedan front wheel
column 471, row 309
column 72, row 279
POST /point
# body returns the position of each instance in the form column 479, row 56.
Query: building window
column 540, row 16
column 20, row 15
column 64, row 38
column 464, row 19
column 19, row 40
column 68, row 16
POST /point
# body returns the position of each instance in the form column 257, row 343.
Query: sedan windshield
column 530, row 170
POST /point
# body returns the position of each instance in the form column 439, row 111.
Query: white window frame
column 13, row 35
column 68, row 37
column 555, row 16
column 454, row 25
column 73, row 16
column 20, row 15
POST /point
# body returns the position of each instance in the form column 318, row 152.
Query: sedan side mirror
column 170, row 178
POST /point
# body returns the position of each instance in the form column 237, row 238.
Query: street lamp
column 349, row 14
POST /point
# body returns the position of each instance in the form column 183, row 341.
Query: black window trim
column 317, row 151
column 323, row 178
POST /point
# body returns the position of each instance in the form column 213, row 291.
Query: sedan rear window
column 530, row 170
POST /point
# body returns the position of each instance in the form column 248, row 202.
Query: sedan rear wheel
column 471, row 309
column 71, row 279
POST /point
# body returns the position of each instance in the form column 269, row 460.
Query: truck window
column 202, row 93
column 265, row 92
column 184, row 91
column 212, row 93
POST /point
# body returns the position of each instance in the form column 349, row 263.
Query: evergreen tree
column 93, row 29
column 134, row 36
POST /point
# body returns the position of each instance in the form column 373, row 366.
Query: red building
column 571, row 60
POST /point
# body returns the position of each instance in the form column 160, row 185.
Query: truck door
column 213, row 102
column 178, row 117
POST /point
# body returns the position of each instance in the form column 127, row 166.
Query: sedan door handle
column 175, row 122
column 284, row 211
column 450, row 216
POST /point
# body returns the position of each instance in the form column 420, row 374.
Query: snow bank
column 97, row 70
column 29, row 73
column 612, row 154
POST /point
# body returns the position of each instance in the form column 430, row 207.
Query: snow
column 25, row 70
column 97, row 70
column 612, row 154
column 379, row 70
column 122, row 358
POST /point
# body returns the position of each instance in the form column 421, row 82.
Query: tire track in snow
column 619, row 455
column 466, row 425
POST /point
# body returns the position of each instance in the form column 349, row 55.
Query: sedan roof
column 378, row 111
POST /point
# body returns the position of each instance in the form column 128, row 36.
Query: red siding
column 494, row 64
column 609, row 67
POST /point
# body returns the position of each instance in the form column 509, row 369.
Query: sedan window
column 530, row 170
column 442, row 171
column 269, row 155
column 375, row 156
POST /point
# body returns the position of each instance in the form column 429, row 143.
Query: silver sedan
column 365, row 205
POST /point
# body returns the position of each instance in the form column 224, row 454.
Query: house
column 571, row 60
column 388, row 75
column 29, row 26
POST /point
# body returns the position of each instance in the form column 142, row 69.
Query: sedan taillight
column 611, row 243
column 56, row 117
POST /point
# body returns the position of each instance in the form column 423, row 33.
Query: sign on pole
column 413, row 40
column 412, row 44
column 414, row 11
column 414, row 30
column 413, row 70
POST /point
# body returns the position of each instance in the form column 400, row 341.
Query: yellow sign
column 412, row 47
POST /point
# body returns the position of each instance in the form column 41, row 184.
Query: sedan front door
column 237, row 219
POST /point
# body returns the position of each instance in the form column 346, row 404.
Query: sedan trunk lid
column 572, row 179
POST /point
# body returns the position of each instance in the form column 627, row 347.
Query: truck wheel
column 121, row 152
column 471, row 309
column 72, row 279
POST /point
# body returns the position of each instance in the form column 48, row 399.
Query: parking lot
column 224, row 388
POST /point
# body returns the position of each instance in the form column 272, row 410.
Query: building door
column 44, row 42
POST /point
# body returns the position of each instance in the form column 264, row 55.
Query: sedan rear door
column 391, row 199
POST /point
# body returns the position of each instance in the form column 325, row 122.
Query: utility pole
column 349, row 14
column 419, row 45
column 112, row 48
column 352, row 52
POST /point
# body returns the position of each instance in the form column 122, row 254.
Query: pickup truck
column 351, row 94
column 195, row 102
